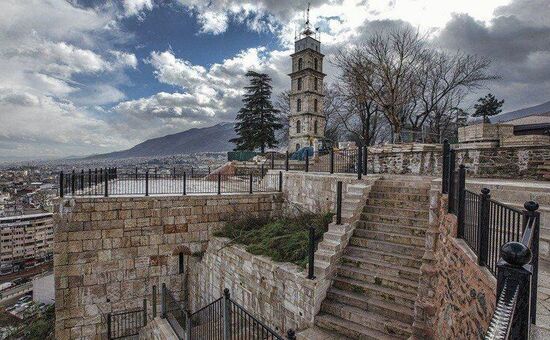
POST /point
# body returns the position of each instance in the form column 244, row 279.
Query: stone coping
column 125, row 198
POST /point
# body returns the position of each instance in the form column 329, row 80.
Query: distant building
column 307, row 121
column 25, row 239
column 535, row 124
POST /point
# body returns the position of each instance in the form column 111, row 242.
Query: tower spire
column 307, row 30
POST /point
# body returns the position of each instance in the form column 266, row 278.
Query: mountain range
column 209, row 139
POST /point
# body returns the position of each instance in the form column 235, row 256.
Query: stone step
column 398, row 203
column 323, row 255
column 374, row 193
column 392, row 228
column 403, row 260
column 393, row 211
column 391, row 237
column 348, row 328
column 379, row 279
column 403, row 183
column 388, row 247
column 370, row 320
column 375, row 291
column 329, row 246
column 380, row 307
column 380, row 266
column 394, row 219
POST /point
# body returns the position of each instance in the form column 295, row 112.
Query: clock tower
column 307, row 121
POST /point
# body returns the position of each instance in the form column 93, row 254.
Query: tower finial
column 307, row 30
column 307, row 21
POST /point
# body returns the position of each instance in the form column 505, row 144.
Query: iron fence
column 111, row 183
column 207, row 323
column 126, row 323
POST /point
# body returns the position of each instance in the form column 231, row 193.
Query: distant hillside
column 504, row 117
column 210, row 139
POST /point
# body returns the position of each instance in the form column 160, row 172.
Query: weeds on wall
column 282, row 239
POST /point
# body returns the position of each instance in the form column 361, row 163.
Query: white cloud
column 135, row 7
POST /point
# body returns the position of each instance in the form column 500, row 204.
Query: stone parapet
column 110, row 252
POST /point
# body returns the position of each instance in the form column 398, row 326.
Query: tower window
column 315, row 107
column 315, row 84
column 299, row 105
column 298, row 130
column 299, row 84
column 315, row 63
column 299, row 64
column 315, row 124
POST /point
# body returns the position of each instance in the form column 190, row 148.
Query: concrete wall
column 109, row 252
column 277, row 293
column 456, row 297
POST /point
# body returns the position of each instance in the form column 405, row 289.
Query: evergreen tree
column 257, row 120
column 488, row 106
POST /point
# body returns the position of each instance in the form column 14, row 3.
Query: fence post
column 280, row 181
column 184, row 183
column 331, row 162
column 451, row 207
column 512, row 268
column 136, row 173
column 226, row 315
column 250, row 189
column 82, row 180
column 163, row 301
column 72, row 182
column 445, row 167
column 106, row 184
column 307, row 160
column 61, row 184
column 359, row 163
column 365, row 160
column 108, row 325
column 95, row 180
column 219, row 183
column 262, row 170
column 144, row 312
column 311, row 254
column 191, row 172
column 531, row 212
column 286, row 161
column 154, row 302
column 483, row 227
column 272, row 160
column 89, row 179
column 147, row 182
column 187, row 325
column 291, row 335
column 339, row 202
column 461, row 200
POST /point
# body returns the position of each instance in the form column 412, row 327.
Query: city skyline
column 86, row 77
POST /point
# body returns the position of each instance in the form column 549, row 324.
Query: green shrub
column 284, row 239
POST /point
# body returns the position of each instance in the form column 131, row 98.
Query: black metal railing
column 223, row 318
column 126, row 323
column 517, row 282
column 112, row 183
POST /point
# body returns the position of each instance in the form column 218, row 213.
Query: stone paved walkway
column 316, row 333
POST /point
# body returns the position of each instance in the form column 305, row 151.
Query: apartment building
column 25, row 240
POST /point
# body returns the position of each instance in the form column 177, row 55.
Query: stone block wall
column 456, row 297
column 109, row 252
column 415, row 159
column 277, row 293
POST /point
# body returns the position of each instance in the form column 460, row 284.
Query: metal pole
column 250, row 191
column 106, row 185
column 184, row 183
column 311, row 254
column 331, row 160
column 89, row 178
column 280, row 181
column 272, row 160
column 61, row 175
column 147, row 182
column 82, row 180
column 531, row 212
column 483, row 227
column 339, row 202
column 226, row 315
column 445, row 167
column 72, row 183
column 219, row 183
column 359, row 163
column 461, row 200
column 108, row 325
column 286, row 161
column 163, row 301
column 154, row 302
column 307, row 160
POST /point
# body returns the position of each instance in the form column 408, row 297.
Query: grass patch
column 283, row 240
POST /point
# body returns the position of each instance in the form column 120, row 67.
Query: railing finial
column 515, row 253
column 531, row 206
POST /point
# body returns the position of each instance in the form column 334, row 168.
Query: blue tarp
column 300, row 155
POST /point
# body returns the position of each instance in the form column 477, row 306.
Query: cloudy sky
column 84, row 76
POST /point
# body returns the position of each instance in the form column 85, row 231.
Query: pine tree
column 488, row 106
column 257, row 120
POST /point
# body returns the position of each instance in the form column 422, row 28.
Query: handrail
column 501, row 323
column 268, row 330
column 528, row 233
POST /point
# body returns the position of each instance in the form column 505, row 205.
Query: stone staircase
column 375, row 283
column 544, row 170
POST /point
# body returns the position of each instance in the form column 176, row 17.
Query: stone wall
column 413, row 158
column 277, row 293
column 109, row 252
column 456, row 298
